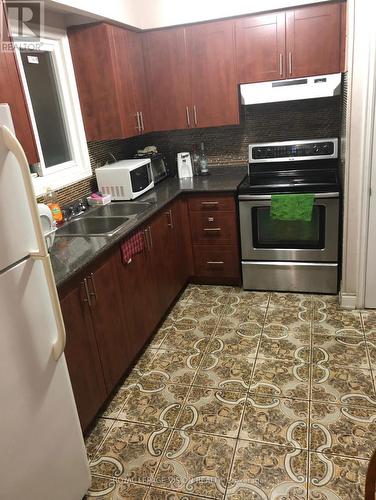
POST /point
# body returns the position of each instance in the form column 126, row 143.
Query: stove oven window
column 272, row 233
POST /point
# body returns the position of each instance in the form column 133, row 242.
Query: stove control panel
column 292, row 151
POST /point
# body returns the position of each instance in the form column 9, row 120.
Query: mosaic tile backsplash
column 306, row 119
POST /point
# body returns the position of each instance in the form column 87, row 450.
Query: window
column 51, row 93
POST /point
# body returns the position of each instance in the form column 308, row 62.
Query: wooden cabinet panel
column 212, row 73
column 212, row 203
column 216, row 261
column 82, row 355
column 167, row 76
column 217, row 228
column 343, row 63
column 260, row 47
column 11, row 92
column 313, row 40
column 94, row 67
column 107, row 314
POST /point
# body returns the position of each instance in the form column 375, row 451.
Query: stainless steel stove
column 292, row 255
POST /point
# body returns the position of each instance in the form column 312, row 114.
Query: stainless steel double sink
column 104, row 221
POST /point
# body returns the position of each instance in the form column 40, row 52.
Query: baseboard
column 347, row 300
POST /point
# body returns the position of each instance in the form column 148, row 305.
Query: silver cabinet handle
column 210, row 203
column 187, row 114
column 215, row 262
column 94, row 292
column 138, row 122
column 216, row 229
column 195, row 114
column 142, row 121
column 146, row 239
column 170, row 222
column 290, row 63
column 151, row 238
column 281, row 64
column 88, row 300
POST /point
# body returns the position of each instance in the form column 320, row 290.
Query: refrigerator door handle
column 15, row 147
column 59, row 345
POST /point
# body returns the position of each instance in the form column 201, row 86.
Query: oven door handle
column 257, row 197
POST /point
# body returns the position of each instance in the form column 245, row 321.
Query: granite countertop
column 69, row 255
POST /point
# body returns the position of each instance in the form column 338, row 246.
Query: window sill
column 60, row 180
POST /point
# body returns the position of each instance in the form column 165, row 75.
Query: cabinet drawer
column 216, row 261
column 212, row 203
column 213, row 228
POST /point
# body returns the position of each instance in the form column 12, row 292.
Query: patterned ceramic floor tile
column 335, row 319
column 234, row 343
column 239, row 297
column 105, row 488
column 187, row 340
column 283, row 321
column 263, row 471
column 342, row 384
column 291, row 301
column 208, row 294
column 294, row 344
column 196, row 464
column 160, row 406
column 172, row 367
column 224, row 372
column 276, row 421
column 274, row 377
column 159, row 494
column 343, row 430
column 243, row 317
column 97, row 435
column 286, row 380
column 340, row 350
column 336, row 478
column 131, row 452
column 212, row 411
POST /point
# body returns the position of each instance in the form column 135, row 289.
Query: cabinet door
column 211, row 55
column 313, row 40
column 260, row 47
column 11, row 92
column 121, row 47
column 139, row 295
column 138, row 77
column 108, row 319
column 94, row 66
column 82, row 356
column 167, row 75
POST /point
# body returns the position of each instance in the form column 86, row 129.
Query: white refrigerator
column 42, row 452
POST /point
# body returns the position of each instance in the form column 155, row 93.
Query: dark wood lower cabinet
column 112, row 309
column 82, row 355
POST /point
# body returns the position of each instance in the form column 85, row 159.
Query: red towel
column 132, row 246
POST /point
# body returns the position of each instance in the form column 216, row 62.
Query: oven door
column 264, row 238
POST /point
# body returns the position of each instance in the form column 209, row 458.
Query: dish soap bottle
column 203, row 161
column 53, row 205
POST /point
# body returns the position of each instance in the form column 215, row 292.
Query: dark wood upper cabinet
column 11, row 92
column 313, row 38
column 167, row 76
column 110, row 75
column 260, row 47
column 94, row 66
column 211, row 57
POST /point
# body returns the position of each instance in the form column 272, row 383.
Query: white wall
column 147, row 14
column 356, row 195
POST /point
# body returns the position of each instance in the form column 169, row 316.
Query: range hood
column 291, row 90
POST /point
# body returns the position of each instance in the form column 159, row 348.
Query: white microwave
column 125, row 179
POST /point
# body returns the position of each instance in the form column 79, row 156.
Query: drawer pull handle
column 216, row 229
column 210, row 203
column 215, row 262
column 87, row 299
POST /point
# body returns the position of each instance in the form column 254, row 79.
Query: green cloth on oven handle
column 292, row 207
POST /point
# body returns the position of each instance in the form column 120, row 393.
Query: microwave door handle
column 15, row 147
